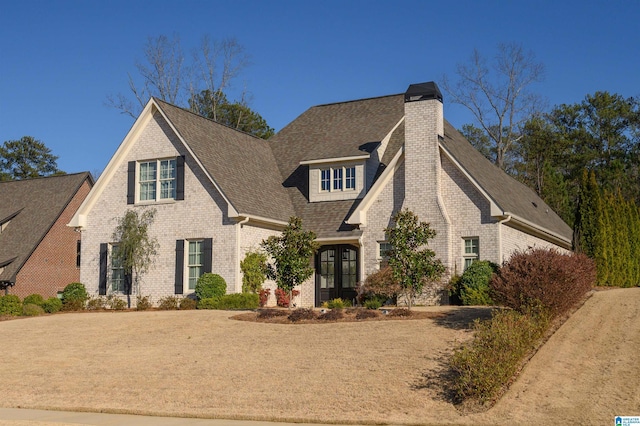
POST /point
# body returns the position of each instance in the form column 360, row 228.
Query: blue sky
column 60, row 59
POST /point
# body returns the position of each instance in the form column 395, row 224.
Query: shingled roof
column 344, row 129
column 270, row 179
column 339, row 130
column 31, row 207
column 510, row 195
column 242, row 165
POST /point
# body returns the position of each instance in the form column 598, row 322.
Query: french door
column 337, row 273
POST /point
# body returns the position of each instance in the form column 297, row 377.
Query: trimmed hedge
column 474, row 283
column 210, row 286
column 10, row 304
column 541, row 278
column 74, row 297
column 34, row 299
column 52, row 305
column 231, row 301
column 32, row 310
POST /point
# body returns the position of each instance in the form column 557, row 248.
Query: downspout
column 500, row 223
column 237, row 266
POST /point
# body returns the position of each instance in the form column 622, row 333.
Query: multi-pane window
column 471, row 251
column 325, row 179
column 194, row 263
column 350, row 178
column 383, row 253
column 157, row 174
column 117, row 271
column 338, row 179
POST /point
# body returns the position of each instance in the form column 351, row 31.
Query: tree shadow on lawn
column 439, row 380
column 462, row 317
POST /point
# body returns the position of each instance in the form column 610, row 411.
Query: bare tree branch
column 499, row 98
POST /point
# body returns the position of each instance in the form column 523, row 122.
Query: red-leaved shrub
column 542, row 278
column 264, row 296
column 282, row 297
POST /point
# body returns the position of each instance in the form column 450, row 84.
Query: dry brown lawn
column 203, row 364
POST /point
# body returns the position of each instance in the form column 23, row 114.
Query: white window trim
column 470, row 256
column 187, row 265
column 158, row 181
column 343, row 179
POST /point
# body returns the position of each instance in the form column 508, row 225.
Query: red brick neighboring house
column 38, row 252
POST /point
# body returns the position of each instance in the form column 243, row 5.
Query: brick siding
column 52, row 265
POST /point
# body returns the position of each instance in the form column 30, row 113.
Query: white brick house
column 344, row 168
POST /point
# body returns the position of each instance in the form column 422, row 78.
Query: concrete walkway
column 26, row 417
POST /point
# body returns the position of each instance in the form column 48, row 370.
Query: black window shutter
column 207, row 254
column 102, row 281
column 128, row 283
column 180, row 178
column 131, row 182
column 179, row 266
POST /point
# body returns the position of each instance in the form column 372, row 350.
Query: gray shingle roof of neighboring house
column 31, row 207
column 242, row 165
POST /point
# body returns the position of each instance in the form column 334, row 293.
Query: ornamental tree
column 136, row 248
column 413, row 264
column 291, row 252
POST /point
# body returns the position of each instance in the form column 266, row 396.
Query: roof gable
column 509, row 195
column 31, row 207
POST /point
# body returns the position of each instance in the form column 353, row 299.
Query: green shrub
column 187, row 304
column 474, row 283
column 143, row 303
column 302, row 314
column 254, row 271
column 74, row 297
column 374, row 303
column 543, row 278
column 10, row 305
column 489, row 361
column 96, row 303
column 168, row 303
column 231, row 301
column 210, row 286
column 336, row 304
column 32, row 310
column 52, row 305
column 33, row 299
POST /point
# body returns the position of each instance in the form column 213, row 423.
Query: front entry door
column 336, row 273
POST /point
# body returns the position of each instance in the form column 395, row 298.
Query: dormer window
column 336, row 179
column 333, row 179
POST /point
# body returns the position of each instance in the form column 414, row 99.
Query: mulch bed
column 323, row 316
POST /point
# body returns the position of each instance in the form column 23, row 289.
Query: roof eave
column 537, row 230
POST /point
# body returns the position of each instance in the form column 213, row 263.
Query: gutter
column 538, row 230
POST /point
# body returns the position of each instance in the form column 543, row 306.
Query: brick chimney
column 424, row 125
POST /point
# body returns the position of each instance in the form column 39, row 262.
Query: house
column 38, row 252
column 344, row 168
